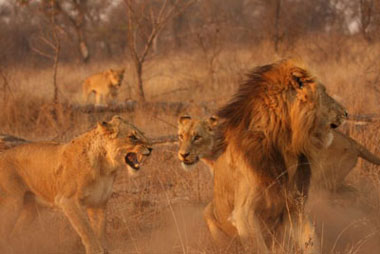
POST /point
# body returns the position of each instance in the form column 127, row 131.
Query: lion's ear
column 117, row 118
column 108, row 128
column 297, row 77
column 213, row 121
column 184, row 119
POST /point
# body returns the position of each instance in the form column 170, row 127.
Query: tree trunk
column 276, row 37
column 139, row 72
column 55, row 68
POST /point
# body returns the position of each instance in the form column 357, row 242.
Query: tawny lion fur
column 105, row 85
column 276, row 122
column 329, row 168
column 76, row 177
column 198, row 140
column 334, row 163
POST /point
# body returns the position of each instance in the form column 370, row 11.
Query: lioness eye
column 180, row 136
column 197, row 137
column 133, row 138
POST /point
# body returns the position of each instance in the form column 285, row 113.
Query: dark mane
column 238, row 110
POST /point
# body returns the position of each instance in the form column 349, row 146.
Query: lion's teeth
column 136, row 165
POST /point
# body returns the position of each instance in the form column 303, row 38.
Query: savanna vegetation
column 185, row 57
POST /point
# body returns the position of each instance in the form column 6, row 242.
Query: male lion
column 75, row 177
column 276, row 122
column 105, row 85
column 198, row 140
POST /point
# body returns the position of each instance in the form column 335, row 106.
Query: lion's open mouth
column 333, row 126
column 132, row 161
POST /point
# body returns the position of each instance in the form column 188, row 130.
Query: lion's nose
column 184, row 155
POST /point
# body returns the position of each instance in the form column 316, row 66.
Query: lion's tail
column 364, row 153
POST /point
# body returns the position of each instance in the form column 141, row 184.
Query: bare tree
column 366, row 8
column 48, row 41
column 6, row 88
column 146, row 19
column 75, row 14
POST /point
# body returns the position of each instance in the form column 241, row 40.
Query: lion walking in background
column 76, row 177
column 274, row 125
column 104, row 85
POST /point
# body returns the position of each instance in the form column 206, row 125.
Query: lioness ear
column 116, row 118
column 108, row 128
column 213, row 121
column 122, row 70
column 109, row 72
column 184, row 119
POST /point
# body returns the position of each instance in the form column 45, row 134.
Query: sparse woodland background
column 184, row 56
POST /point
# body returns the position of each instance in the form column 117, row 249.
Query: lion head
column 115, row 76
column 196, row 139
column 126, row 145
column 287, row 106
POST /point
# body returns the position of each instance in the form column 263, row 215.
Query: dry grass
column 161, row 210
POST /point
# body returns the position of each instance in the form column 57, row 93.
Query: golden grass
column 161, row 210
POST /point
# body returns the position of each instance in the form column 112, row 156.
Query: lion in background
column 75, row 177
column 199, row 141
column 105, row 85
column 274, row 125
column 334, row 163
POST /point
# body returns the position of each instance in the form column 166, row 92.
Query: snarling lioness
column 104, row 85
column 199, row 141
column 76, row 177
column 273, row 127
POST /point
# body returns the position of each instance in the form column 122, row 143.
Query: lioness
column 198, row 140
column 334, row 163
column 75, row 177
column 274, row 125
column 104, row 85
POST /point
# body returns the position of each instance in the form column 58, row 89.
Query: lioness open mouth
column 333, row 126
column 132, row 161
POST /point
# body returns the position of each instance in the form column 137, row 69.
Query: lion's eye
column 133, row 138
column 197, row 137
column 299, row 82
column 180, row 136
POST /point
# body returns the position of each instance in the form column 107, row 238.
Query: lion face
column 126, row 146
column 116, row 77
column 196, row 139
column 313, row 110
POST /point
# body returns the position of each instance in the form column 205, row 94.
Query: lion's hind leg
column 11, row 205
column 27, row 215
column 247, row 223
column 213, row 225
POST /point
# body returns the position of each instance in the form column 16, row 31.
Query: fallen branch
column 164, row 140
